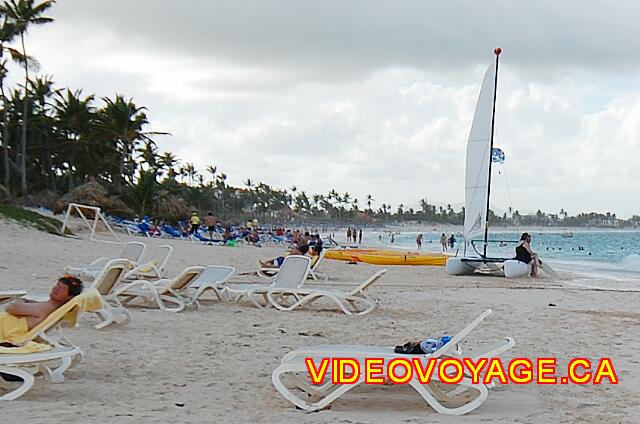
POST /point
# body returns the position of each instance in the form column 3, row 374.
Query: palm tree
column 42, row 89
column 369, row 201
column 7, row 34
column 293, row 194
column 122, row 121
column 168, row 160
column 149, row 155
column 75, row 118
column 23, row 13
column 190, row 171
column 212, row 169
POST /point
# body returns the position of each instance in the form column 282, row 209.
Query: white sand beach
column 214, row 364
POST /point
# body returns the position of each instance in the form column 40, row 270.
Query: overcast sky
column 373, row 97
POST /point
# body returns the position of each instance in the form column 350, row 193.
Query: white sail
column 478, row 157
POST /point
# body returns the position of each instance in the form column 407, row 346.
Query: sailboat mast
column 497, row 52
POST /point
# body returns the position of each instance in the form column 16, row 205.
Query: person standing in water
column 349, row 235
column 360, row 236
column 419, row 241
column 443, row 242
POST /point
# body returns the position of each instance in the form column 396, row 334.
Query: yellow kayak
column 387, row 257
column 432, row 259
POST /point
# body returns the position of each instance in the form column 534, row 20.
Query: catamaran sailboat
column 478, row 185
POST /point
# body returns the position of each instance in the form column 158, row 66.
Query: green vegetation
column 32, row 219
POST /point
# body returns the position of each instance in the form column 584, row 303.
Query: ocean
column 593, row 259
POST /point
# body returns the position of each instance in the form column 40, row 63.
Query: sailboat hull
column 458, row 266
column 515, row 269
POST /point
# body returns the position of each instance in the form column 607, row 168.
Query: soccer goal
column 85, row 212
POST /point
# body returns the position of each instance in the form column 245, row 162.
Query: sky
column 373, row 97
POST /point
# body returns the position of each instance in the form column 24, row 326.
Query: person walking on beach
column 210, row 222
column 443, row 242
column 349, row 235
column 195, row 223
column 419, row 241
column 360, row 236
column 452, row 241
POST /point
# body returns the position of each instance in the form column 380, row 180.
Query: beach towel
column 12, row 326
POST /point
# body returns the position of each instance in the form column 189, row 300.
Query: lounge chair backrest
column 161, row 255
column 82, row 301
column 293, row 272
column 315, row 263
column 214, row 274
column 185, row 278
column 110, row 276
column 132, row 251
column 462, row 334
column 362, row 287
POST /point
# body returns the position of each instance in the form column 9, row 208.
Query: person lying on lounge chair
column 20, row 314
column 277, row 262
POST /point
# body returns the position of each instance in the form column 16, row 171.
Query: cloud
column 372, row 97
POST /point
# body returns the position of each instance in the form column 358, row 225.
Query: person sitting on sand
column 277, row 262
column 525, row 254
column 27, row 315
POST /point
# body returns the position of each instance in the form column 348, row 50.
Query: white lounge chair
column 105, row 283
column 154, row 267
column 47, row 350
column 213, row 278
column 132, row 251
column 10, row 295
column 314, row 270
column 464, row 396
column 354, row 302
column 159, row 291
column 292, row 274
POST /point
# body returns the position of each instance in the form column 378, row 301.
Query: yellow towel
column 20, row 335
column 12, row 326
column 148, row 267
column 31, row 347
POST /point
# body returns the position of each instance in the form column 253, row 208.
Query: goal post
column 97, row 217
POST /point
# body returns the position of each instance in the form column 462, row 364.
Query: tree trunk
column 23, row 136
column 71, row 180
column 50, row 182
column 5, row 141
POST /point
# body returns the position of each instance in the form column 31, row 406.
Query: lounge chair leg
column 56, row 375
column 27, row 382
